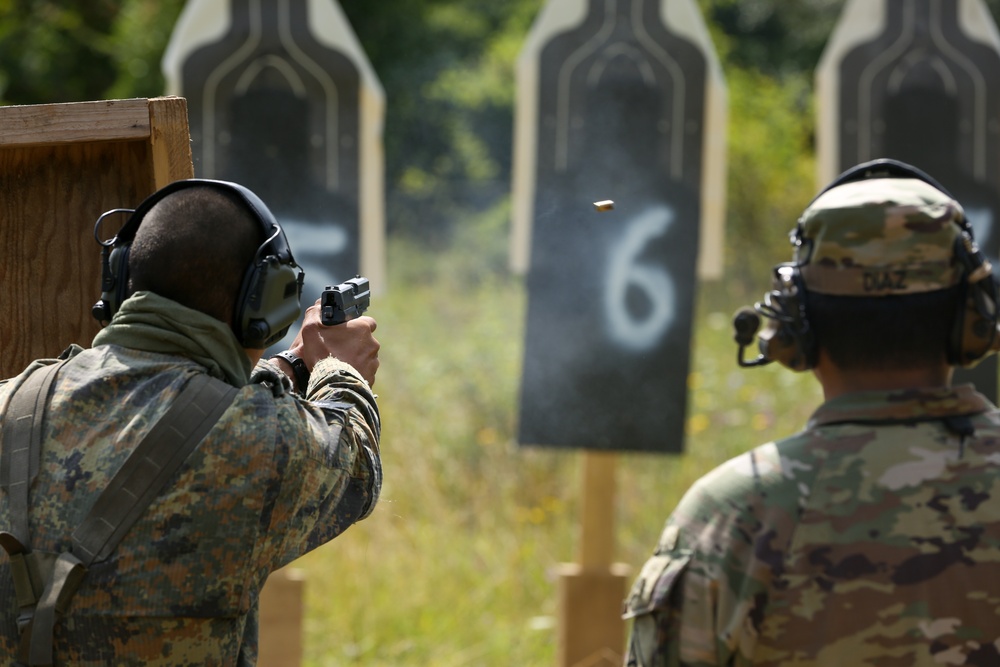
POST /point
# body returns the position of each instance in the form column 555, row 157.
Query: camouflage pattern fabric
column 275, row 478
column 879, row 237
column 870, row 538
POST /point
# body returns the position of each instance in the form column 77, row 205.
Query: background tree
column 51, row 53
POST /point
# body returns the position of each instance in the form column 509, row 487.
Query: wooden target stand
column 61, row 166
column 591, row 632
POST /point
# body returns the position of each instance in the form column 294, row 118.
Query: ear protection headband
column 268, row 302
column 788, row 337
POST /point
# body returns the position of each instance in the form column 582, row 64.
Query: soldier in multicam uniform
column 292, row 463
column 873, row 536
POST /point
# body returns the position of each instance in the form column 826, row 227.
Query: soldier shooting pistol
column 346, row 301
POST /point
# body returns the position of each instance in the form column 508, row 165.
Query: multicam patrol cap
column 881, row 237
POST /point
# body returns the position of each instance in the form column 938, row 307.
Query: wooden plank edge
column 170, row 140
column 74, row 122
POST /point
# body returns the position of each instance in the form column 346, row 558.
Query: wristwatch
column 298, row 369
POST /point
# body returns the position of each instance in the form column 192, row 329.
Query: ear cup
column 268, row 303
column 787, row 336
column 103, row 310
column 974, row 334
column 114, row 267
column 118, row 262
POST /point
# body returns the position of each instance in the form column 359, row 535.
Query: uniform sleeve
column 327, row 466
column 697, row 599
column 336, row 387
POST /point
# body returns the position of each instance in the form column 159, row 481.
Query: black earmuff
column 114, row 263
column 788, row 337
column 268, row 302
column 974, row 334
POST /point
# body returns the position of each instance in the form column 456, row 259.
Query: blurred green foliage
column 771, row 171
column 447, row 67
column 58, row 51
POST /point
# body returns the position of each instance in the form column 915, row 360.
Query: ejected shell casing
column 604, row 205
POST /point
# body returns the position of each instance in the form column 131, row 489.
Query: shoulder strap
column 167, row 445
column 21, row 446
column 20, row 454
column 140, row 479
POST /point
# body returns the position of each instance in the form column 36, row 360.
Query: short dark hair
column 885, row 333
column 194, row 247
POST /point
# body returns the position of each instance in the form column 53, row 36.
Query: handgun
column 345, row 301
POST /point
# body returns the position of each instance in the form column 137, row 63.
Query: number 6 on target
column 627, row 274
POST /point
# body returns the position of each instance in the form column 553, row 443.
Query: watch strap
column 298, row 369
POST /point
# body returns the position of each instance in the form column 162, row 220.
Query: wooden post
column 282, row 608
column 591, row 631
column 597, row 526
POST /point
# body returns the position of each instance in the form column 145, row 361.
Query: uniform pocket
column 651, row 589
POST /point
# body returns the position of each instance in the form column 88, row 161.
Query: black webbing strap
column 145, row 472
column 22, row 439
column 67, row 574
column 20, row 455
column 140, row 479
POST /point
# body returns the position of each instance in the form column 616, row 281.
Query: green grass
column 455, row 566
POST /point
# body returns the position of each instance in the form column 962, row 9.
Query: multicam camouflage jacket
column 871, row 538
column 275, row 478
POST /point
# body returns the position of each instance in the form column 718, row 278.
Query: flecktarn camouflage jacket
column 276, row 477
